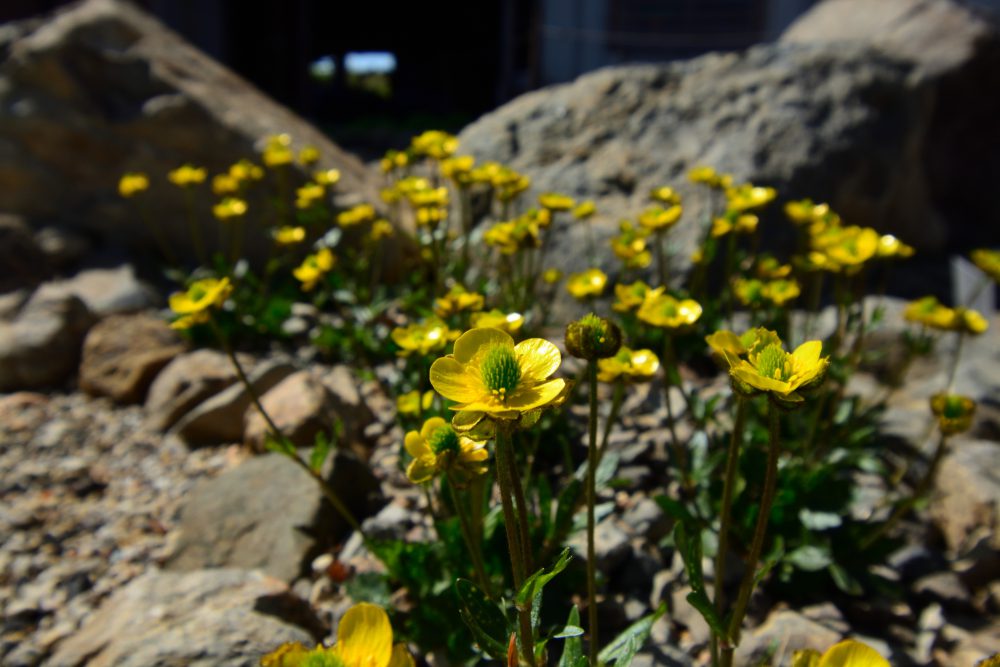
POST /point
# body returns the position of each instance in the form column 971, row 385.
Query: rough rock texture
column 787, row 629
column 200, row 619
column 102, row 88
column 269, row 514
column 123, row 353
column 40, row 347
column 300, row 405
column 21, row 256
column 187, row 381
column 968, row 505
column 106, row 291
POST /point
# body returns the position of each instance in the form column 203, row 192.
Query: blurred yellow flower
column 364, row 639
column 587, row 283
column 779, row 292
column 847, row 247
column 706, row 175
column 308, row 194
column 225, row 184
column 954, row 412
column 749, row 291
column 278, row 150
column 663, row 310
column 327, row 177
column 193, row 305
column 245, row 170
column 551, row 276
column 497, row 319
column 665, row 195
column 228, row 208
column 656, row 218
column 929, row 312
column 132, row 183
column 356, row 215
column 430, row 335
column 749, row 196
column 437, row 449
column 988, row 262
column 289, row 235
column 458, row 169
column 393, row 160
column 308, row 156
column 509, row 237
column 805, row 212
column 630, row 297
column 890, row 246
column 434, row 144
column 381, row 229
column 733, row 221
column 314, row 267
column 630, row 246
column 584, row 210
column 412, row 402
column 187, row 175
column 769, row 267
column 628, row 366
column 848, row 653
column 457, row 300
column 555, row 201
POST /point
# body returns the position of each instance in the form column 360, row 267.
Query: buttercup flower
column 630, row 246
column 314, row 267
column 245, row 170
column 229, row 208
column 327, row 177
column 630, row 297
column 706, row 175
column 381, row 229
column 665, row 195
column 732, row 221
column 496, row 319
column 194, row 304
column 656, row 218
column 356, row 215
column 309, row 194
column 225, row 184
column 662, row 310
column 489, row 376
column 552, row 276
column 988, row 262
column 364, row 639
column 412, row 402
column 584, row 210
column 954, row 412
column 780, row 292
column 848, row 653
column 132, row 183
column 458, row 169
column 929, row 312
column 555, row 201
column 392, row 160
column 278, row 150
column 289, row 235
column 587, row 283
column 186, row 175
column 890, row 246
column 847, row 247
column 805, row 212
column 629, row 366
column 309, row 155
column 592, row 337
column 456, row 300
column 769, row 267
column 430, row 335
column 749, row 196
column 436, row 448
column 434, row 144
column 768, row 367
column 749, row 291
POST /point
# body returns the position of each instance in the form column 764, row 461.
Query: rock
column 209, row 617
column 648, row 520
column 392, row 522
column 106, row 291
column 914, row 561
column 123, row 353
column 220, row 418
column 967, row 506
column 268, row 514
column 187, row 381
column 351, row 408
column 696, row 631
column 127, row 94
column 784, row 628
column 23, row 261
column 41, row 346
column 63, row 247
column 945, row 588
column 610, row 545
column 299, row 405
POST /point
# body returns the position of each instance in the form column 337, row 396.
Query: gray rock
column 205, row 618
column 40, row 347
column 353, row 411
column 267, row 514
column 945, row 588
column 24, row 263
column 611, row 545
column 648, row 520
column 914, row 561
column 788, row 629
column 106, row 291
column 967, row 506
column 220, row 418
column 185, row 382
column 392, row 522
column 299, row 405
column 123, row 353
column 63, row 247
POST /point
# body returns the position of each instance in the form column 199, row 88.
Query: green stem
column 953, row 369
column 680, row 454
column 521, row 506
column 193, row 228
column 592, row 457
column 465, row 524
column 616, row 404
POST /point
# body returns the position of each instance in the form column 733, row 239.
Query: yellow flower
column 425, row 337
column 988, row 262
column 456, row 300
column 584, row 210
column 805, row 212
column 555, row 201
column 749, row 291
column 969, row 321
column 278, row 150
column 327, row 177
column 309, row 194
column 704, row 174
column 314, row 267
column 629, row 366
column 780, row 292
column 228, row 208
column 630, row 246
column 587, row 283
column 890, row 246
column 551, row 276
column 194, row 304
column 665, row 195
column 309, row 155
column 356, row 215
column 289, row 235
column 132, row 183
column 662, row 310
column 847, row 247
column 187, row 175
column 749, row 196
column 848, row 653
column 733, row 221
column 496, row 319
column 656, row 218
column 768, row 367
column 436, row 449
column 430, row 215
column 458, row 169
column 488, row 375
column 393, row 160
column 507, row 183
column 225, row 184
column 434, row 144
column 381, row 229
column 769, row 267
column 929, row 312
column 364, row 639
column 509, row 237
column 954, row 412
column 412, row 402
column 630, row 297
column 245, row 170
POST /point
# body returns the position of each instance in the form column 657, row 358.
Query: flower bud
column 592, row 337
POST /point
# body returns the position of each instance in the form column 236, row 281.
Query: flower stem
column 193, row 228
column 680, row 455
column 757, row 544
column 475, row 552
column 592, row 458
column 616, row 404
column 953, row 369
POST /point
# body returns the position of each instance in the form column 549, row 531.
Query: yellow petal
column 364, row 637
column 431, row 425
column 749, row 374
column 808, row 353
column 450, row 379
column 726, row 341
column 538, row 359
column 400, row 656
column 288, row 654
column 474, row 340
column 422, row 469
column 539, row 395
column 851, row 653
column 805, row 658
column 415, row 445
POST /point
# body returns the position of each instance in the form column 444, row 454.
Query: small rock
column 945, row 588
column 299, row 405
column 393, row 522
column 968, row 502
column 929, row 626
column 913, row 561
column 63, row 247
column 185, row 382
column 106, row 291
column 228, row 618
column 697, row 633
column 648, row 520
column 610, row 545
column 123, row 353
column 788, row 629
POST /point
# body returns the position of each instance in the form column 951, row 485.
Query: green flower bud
column 592, row 337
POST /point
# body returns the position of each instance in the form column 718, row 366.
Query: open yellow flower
column 770, row 268
column 436, row 448
column 584, row 210
column 412, row 402
column 435, row 144
column 430, row 335
column 490, row 375
column 555, row 201
column 780, row 292
column 327, row 177
column 768, row 367
column 665, row 195
column 890, row 246
column 988, row 262
column 245, row 170
column 289, row 235
column 278, row 150
column 630, row 297
column 229, row 208
column 457, row 300
column 458, row 169
column 497, row 319
column 308, row 195
column 187, row 175
column 805, row 212
column 954, row 412
column 194, row 304
column 848, row 653
column 734, row 222
column 364, row 639
column 629, row 366
column 929, row 312
column 356, row 215
column 663, row 310
column 630, row 246
column 587, row 283
column 704, row 174
column 314, row 267
column 847, row 247
column 551, row 276
column 308, row 156
column 749, row 196
column 132, row 183
column 656, row 218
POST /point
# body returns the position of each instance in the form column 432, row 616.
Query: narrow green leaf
column 573, row 648
column 534, row 584
column 628, row 653
column 700, row 601
column 483, row 618
column 321, row 449
column 673, row 508
column 640, row 630
column 568, row 631
column 689, row 546
column 844, row 581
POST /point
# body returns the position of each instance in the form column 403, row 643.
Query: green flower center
column 669, row 308
column 954, row 407
column 500, row 370
column 197, row 293
column 321, row 658
column 444, row 439
column 772, row 362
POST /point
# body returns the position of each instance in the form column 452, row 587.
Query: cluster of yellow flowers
column 929, row 312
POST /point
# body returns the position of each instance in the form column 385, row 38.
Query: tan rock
column 300, row 405
column 187, row 381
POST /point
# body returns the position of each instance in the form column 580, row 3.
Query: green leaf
column 689, row 547
column 819, row 520
column 674, row 509
column 280, row 445
column 321, row 449
column 620, row 645
column 810, row 558
column 572, row 654
column 628, row 653
column 534, row 584
column 844, row 581
column 699, row 600
column 569, row 631
column 483, row 618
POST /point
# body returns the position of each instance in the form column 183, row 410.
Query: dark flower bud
column 592, row 337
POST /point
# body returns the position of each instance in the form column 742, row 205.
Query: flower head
column 458, row 169
column 289, row 235
column 225, row 184
column 749, row 196
column 758, row 361
column 734, row 222
column 988, row 261
column 434, row 144
column 308, row 195
column 229, row 208
column 929, row 312
column 436, row 448
column 551, row 276
column 848, row 653
column 592, row 337
column 496, row 319
column 630, row 246
column 356, row 215
column 490, row 376
column 706, row 175
column 186, row 175
column 890, row 246
column 132, row 183
column 245, row 170
column 278, row 150
column 584, row 210
column 656, row 218
column 954, row 412
column 314, row 267
column 628, row 366
column 327, row 177
column 457, row 299
column 412, row 402
column 663, row 310
column 308, row 156
column 665, row 195
column 555, row 201
column 364, row 639
column 630, row 297
column 430, row 335
column 194, row 304
column 587, row 283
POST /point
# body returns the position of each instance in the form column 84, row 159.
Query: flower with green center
column 665, row 195
column 195, row 304
column 630, row 297
column 629, row 366
column 356, row 215
column 393, row 160
column 436, row 448
column 658, row 219
column 381, row 229
column 929, row 312
column 749, row 196
column 435, row 144
column 308, row 156
column 488, row 375
column 555, row 201
column 663, row 310
column 847, row 247
column 457, row 300
column 412, row 402
column 592, row 337
column 769, row 268
column 988, row 262
column 430, row 335
column 314, row 267
column 768, row 367
column 954, row 412
column 848, row 653
column 364, row 639
column 706, row 175
column 289, row 235
column 132, row 183
column 187, row 175
column 630, row 246
column 584, row 210
column 734, row 222
column 804, row 212
column 278, row 151
column 497, row 319
column 749, row 291
column 780, row 292
column 587, row 283
column 458, row 169
column 229, row 208
column 225, row 184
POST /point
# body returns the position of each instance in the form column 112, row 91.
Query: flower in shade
column 430, row 335
column 584, row 210
column 587, row 283
column 245, row 170
column 434, row 144
column 890, row 246
column 748, row 196
column 381, row 229
column 929, row 312
column 630, row 246
column 629, row 366
column 412, row 402
column 327, row 177
column 665, row 195
column 555, row 201
column 289, row 235
column 278, row 150
column 551, row 276
column 229, row 208
column 457, row 299
column 804, row 212
column 489, row 376
column 458, row 169
column 314, row 267
column 663, row 310
column 195, row 304
column 656, row 218
column 954, row 412
column 848, row 653
column 187, row 175
column 356, row 215
column 734, row 222
column 436, row 448
column 497, row 319
column 132, row 183
column 309, row 155
column 308, row 195
column 988, row 261
column 364, row 639
column 770, row 268
column 780, row 292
